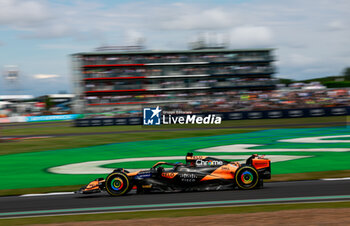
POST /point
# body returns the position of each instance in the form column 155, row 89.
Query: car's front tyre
column 118, row 183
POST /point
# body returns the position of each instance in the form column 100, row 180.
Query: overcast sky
column 311, row 38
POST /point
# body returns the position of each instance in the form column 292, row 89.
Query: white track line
column 318, row 140
column 48, row 194
column 344, row 178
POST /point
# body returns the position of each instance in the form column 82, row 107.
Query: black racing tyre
column 117, row 184
column 247, row 177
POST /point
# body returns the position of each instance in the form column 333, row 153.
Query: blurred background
column 63, row 57
column 75, row 76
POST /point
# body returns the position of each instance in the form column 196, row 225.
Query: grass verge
column 268, row 123
column 172, row 213
column 44, row 144
column 35, row 145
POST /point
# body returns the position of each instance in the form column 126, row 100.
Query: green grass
column 33, row 145
column 70, row 142
column 35, row 163
column 172, row 213
column 44, row 144
column 68, row 128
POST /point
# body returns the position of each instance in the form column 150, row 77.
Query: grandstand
column 110, row 80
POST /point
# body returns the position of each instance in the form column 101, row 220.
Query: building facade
column 106, row 81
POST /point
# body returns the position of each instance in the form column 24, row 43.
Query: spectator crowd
column 234, row 101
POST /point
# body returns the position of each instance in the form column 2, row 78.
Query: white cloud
column 251, row 36
column 65, row 46
column 54, row 31
column 197, row 19
column 22, row 13
column 336, row 25
column 296, row 59
column 306, row 35
column 133, row 37
column 46, row 76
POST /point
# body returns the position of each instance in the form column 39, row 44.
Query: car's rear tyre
column 247, row 177
column 117, row 184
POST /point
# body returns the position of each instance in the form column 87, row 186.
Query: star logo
column 151, row 116
column 156, row 112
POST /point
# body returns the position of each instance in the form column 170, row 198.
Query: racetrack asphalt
column 274, row 192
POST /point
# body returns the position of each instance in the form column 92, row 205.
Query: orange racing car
column 197, row 174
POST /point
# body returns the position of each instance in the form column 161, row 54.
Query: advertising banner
column 51, row 118
column 271, row 114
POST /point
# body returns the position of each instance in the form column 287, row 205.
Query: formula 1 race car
column 200, row 173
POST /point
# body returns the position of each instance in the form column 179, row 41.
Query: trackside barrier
column 40, row 118
column 13, row 119
column 240, row 115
